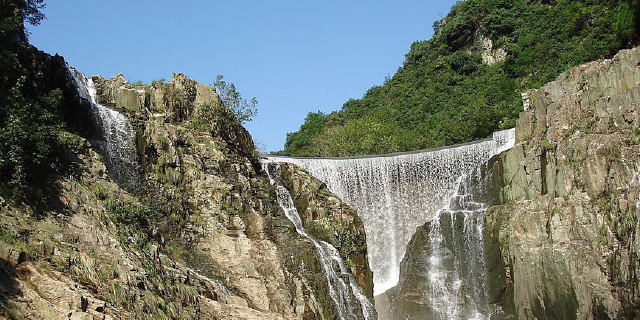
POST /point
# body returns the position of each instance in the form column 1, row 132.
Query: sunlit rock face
column 215, row 239
column 567, row 202
column 344, row 290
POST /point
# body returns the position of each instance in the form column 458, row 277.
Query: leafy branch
column 243, row 110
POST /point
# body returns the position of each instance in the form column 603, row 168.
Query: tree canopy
column 449, row 91
column 30, row 125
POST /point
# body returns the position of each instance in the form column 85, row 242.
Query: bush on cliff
column 29, row 139
column 243, row 110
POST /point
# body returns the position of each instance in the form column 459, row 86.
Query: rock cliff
column 200, row 236
column 567, row 198
column 329, row 219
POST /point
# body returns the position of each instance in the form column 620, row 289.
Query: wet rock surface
column 327, row 218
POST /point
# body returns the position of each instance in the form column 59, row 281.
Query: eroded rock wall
column 329, row 219
column 202, row 237
column 568, row 197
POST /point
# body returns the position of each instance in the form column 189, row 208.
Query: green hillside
column 446, row 92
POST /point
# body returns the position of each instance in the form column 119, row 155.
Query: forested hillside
column 465, row 82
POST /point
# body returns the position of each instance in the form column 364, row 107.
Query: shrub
column 29, row 139
column 243, row 110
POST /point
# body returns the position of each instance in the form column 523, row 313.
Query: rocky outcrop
column 329, row 219
column 568, row 197
column 490, row 55
column 412, row 297
column 43, row 73
column 202, row 236
column 181, row 101
column 443, row 274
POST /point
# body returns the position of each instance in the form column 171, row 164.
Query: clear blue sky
column 294, row 56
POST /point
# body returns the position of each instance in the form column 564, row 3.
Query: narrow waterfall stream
column 341, row 293
column 397, row 193
column 116, row 144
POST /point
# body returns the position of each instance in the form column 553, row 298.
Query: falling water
column 394, row 194
column 117, row 141
column 340, row 293
column 455, row 268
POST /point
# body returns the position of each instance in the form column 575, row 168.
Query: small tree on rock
column 243, row 110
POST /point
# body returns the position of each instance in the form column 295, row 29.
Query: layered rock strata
column 568, row 197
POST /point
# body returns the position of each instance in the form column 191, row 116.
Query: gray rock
column 562, row 232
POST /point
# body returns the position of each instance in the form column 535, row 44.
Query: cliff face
column 200, row 236
column 329, row 219
column 568, row 197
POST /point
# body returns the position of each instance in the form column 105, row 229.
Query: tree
column 243, row 110
column 14, row 14
column 32, row 11
column 437, row 25
column 29, row 139
column 624, row 23
column 445, row 94
column 30, row 124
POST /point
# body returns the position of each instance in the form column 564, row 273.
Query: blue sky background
column 294, row 56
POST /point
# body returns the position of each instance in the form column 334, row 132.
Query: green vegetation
column 243, row 110
column 135, row 216
column 31, row 10
column 30, row 122
column 205, row 115
column 29, row 139
column 180, row 102
column 158, row 82
column 547, row 145
column 446, row 94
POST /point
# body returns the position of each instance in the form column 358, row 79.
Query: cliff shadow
column 9, row 288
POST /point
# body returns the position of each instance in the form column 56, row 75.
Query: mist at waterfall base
column 396, row 194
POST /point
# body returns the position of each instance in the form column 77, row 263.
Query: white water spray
column 117, row 141
column 456, row 281
column 394, row 194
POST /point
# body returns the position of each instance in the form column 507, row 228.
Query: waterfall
column 394, row 194
column 455, row 269
column 340, row 293
column 117, row 141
